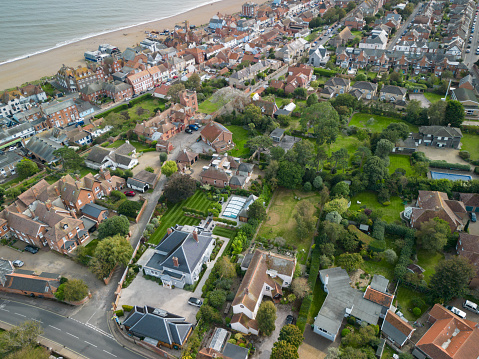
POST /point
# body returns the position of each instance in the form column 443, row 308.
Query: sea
column 29, row 27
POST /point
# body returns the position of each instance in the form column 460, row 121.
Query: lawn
column 224, row 232
column 369, row 199
column 428, row 260
column 149, row 103
column 433, row 97
column 281, row 222
column 388, row 352
column 382, row 267
column 351, row 143
column 319, row 296
column 312, row 36
column 400, row 161
column 470, row 142
column 139, row 146
column 240, row 136
column 91, row 247
column 404, row 297
column 208, row 107
column 85, row 170
column 379, row 123
column 363, row 237
column 175, row 215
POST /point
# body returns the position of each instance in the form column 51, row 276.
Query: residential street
column 72, row 334
column 398, row 34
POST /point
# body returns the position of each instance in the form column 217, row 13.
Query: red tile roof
column 378, row 297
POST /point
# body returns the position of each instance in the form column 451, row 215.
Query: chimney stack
column 73, row 214
column 175, row 262
column 195, row 236
column 326, row 279
column 57, row 191
column 35, row 191
column 48, row 204
column 170, row 231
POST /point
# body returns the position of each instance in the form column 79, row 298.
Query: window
column 79, row 202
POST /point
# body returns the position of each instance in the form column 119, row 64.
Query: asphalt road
column 403, row 27
column 74, row 335
column 471, row 57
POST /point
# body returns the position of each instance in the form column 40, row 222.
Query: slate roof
column 365, row 85
column 337, row 81
column 146, row 177
column 98, row 154
column 237, row 181
column 277, row 132
column 396, row 328
column 441, row 131
column 43, row 148
column 9, row 158
column 235, row 352
column 463, row 94
column 396, row 90
column 92, row 209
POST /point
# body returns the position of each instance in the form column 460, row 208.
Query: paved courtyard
column 421, row 98
column 315, row 346
column 450, row 155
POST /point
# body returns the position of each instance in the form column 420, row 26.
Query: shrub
column 465, row 155
column 450, row 166
column 416, row 311
column 119, row 313
column 345, row 332
column 351, row 320
column 307, row 187
column 378, row 230
column 127, row 308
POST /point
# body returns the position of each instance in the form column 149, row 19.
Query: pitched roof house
column 397, row 329
column 468, row 246
column 158, row 327
column 267, row 274
column 471, row 201
column 392, row 93
column 217, row 136
column 441, row 136
column 122, row 157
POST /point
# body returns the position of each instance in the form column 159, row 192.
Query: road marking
column 109, row 353
column 72, row 335
column 36, row 320
column 54, row 327
column 5, row 310
column 93, row 345
column 21, row 315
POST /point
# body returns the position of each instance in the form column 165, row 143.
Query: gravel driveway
column 421, row 98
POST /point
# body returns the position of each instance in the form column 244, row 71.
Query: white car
column 18, row 263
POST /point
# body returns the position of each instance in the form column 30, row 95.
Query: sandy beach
column 48, row 63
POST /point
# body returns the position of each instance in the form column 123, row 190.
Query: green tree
column 437, row 113
column 168, row 168
column 277, row 153
column 163, row 157
column 290, row 174
column 350, row 261
column 455, row 113
column 266, row 317
column 303, row 153
column 339, row 205
column 20, row 336
column 452, row 278
column 432, row 234
column 194, row 82
column 217, row 298
column 252, row 113
column 26, row 168
column 225, row 268
column 395, row 131
column 208, row 314
column 112, row 226
column 375, row 172
column 361, row 154
column 312, row 99
column 75, row 290
column 174, row 91
column 325, row 121
column 108, row 253
column 149, row 169
column 257, row 211
column 300, row 92
column 69, row 158
column 390, row 256
column 361, row 77
column 259, row 143
column 300, row 287
column 129, row 208
column 340, row 158
column 179, row 188
column 291, row 334
column 383, row 148
column 284, row 350
column 340, row 189
column 318, row 182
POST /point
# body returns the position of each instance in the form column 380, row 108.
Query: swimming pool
column 450, row 176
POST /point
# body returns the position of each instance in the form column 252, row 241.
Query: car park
column 31, row 249
column 18, row 263
column 130, row 193
column 195, row 302
column 470, row 306
column 456, row 311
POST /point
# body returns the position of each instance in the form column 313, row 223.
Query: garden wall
column 138, row 217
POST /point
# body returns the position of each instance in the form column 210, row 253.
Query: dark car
column 129, row 193
column 195, row 301
column 188, row 131
column 473, row 217
column 290, row 319
column 31, row 249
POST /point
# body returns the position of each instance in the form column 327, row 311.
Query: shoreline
column 48, row 62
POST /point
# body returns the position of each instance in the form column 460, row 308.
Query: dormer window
column 65, row 226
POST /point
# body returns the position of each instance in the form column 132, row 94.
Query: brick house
column 59, row 114
column 117, row 91
column 95, row 212
column 217, row 136
column 141, row 81
column 471, row 201
column 186, row 158
column 214, row 177
column 188, row 99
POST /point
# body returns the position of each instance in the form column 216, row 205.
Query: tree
column 312, row 99
column 20, row 336
column 217, row 298
column 26, row 168
column 149, row 169
column 292, row 334
column 350, row 261
column 257, row 211
column 333, row 217
column 75, row 290
column 252, row 113
column 108, row 253
column 452, row 278
column 339, row 205
column 69, row 158
column 340, row 158
column 303, row 153
column 395, row 131
column 420, row 169
column 300, row 287
column 361, row 154
column 225, row 268
column 383, row 148
column 179, row 187
column 390, row 256
column 432, row 234
column 318, row 182
column 266, row 317
column 375, row 171
column 277, row 153
column 194, row 82
column 325, row 121
column 112, row 226
column 284, row 350
column 114, row 119
column 455, row 113
column 395, row 76
column 300, row 92
column 340, row 189
column 163, row 157
column 361, row 77
column 209, row 314
column 290, row 174
column 168, row 168
column 437, row 113
column 174, row 91
column 129, row 208
column 351, row 6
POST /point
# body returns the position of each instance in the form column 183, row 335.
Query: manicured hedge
column 223, row 220
column 401, row 270
column 313, row 276
column 324, row 72
column 196, row 211
column 140, row 99
column 378, row 230
column 450, row 166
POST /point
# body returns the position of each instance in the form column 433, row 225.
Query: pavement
column 425, row 103
column 315, row 346
column 450, row 155
column 403, row 27
column 78, row 338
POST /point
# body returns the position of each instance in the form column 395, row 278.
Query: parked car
column 18, row 263
column 473, row 217
column 468, row 51
column 193, row 127
column 290, row 319
column 129, row 193
column 195, row 302
column 31, row 249
column 470, row 306
column 188, row 131
column 456, row 311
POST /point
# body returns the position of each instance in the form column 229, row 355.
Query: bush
column 345, row 332
column 465, row 155
column 127, row 308
column 417, row 312
column 378, row 230
column 351, row 320
column 450, row 166
column 307, row 187
column 119, row 313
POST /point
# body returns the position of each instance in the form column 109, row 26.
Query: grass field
column 428, row 260
column 281, row 222
column 388, row 352
column 175, row 215
column 433, row 97
column 363, row 237
column 224, row 232
column 380, row 122
column 351, row 143
column 150, row 104
column 139, row 146
column 382, row 267
column 208, row 107
column 400, row 161
column 319, row 296
column 240, row 136
column 91, row 247
column 369, row 199
column 470, row 142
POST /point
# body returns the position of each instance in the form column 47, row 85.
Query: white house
column 123, row 157
column 318, row 56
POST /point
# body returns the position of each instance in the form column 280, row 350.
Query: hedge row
column 224, row 220
column 450, row 166
column 116, row 109
column 324, row 72
column 401, row 270
column 378, row 230
column 313, row 276
column 140, row 99
column 196, row 211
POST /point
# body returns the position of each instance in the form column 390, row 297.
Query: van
column 457, row 311
column 470, row 306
